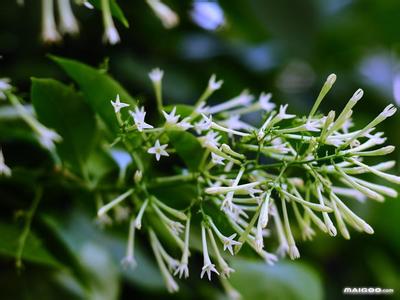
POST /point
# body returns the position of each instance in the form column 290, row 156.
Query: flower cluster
column 256, row 185
column 68, row 24
column 208, row 15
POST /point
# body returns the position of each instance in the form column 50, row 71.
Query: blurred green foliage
column 285, row 47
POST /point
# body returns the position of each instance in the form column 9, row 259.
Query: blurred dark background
column 286, row 47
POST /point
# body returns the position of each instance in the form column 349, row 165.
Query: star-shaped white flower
column 202, row 108
column 312, row 126
column 47, row 137
column 210, row 140
column 171, row 118
column 184, row 124
column 234, row 122
column 265, row 102
column 282, row 113
column 117, row 104
column 347, row 124
column 229, row 242
column 216, row 159
column 158, row 150
column 214, row 85
column 138, row 117
column 208, row 268
column 226, row 270
column 182, row 270
column 204, row 124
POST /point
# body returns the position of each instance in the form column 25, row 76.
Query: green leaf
column 34, row 251
column 98, row 88
column 63, row 109
column 187, row 147
column 116, row 11
column 90, row 243
column 284, row 281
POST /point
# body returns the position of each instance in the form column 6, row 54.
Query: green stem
column 27, row 226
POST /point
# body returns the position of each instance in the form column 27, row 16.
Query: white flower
column 172, row 286
column 208, row 15
column 68, row 23
column 208, row 266
column 202, row 108
column 184, row 124
column 347, row 125
column 111, row 35
column 4, row 86
column 259, row 239
column 4, row 169
column 282, row 113
column 243, row 99
column 203, row 125
column 105, row 208
column 138, row 117
column 307, row 232
column 182, row 268
column 171, row 118
column 47, row 137
column 129, row 260
column 139, row 217
column 214, row 85
column 263, row 218
column 88, row 5
column 167, row 16
column 216, row 159
column 225, row 269
column 389, row 111
column 49, row 30
column 117, row 104
column 176, row 227
column 283, row 249
column 294, row 252
column 121, row 213
column 312, row 125
column 158, row 150
column 237, row 188
column 234, row 122
column 103, row 221
column 229, row 242
column 156, row 75
column 265, row 102
column 210, row 140
column 269, row 258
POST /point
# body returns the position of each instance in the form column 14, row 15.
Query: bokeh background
column 285, row 47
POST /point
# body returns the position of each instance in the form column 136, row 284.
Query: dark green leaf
column 98, row 87
column 33, row 251
column 284, row 281
column 61, row 108
column 187, row 147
